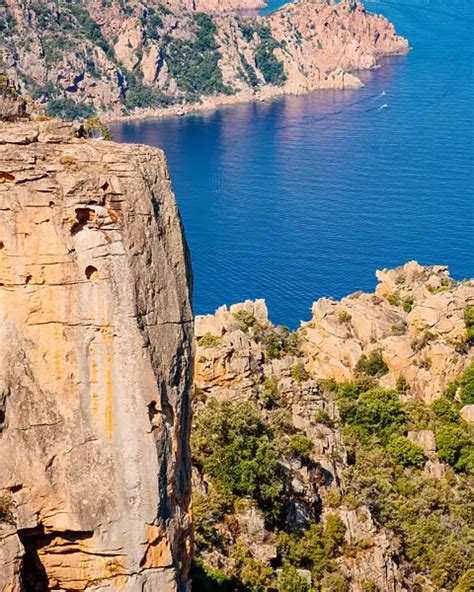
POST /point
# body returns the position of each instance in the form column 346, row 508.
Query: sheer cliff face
column 95, row 349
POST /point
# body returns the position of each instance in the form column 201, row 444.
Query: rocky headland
column 356, row 430
column 139, row 58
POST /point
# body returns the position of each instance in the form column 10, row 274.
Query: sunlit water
column 304, row 197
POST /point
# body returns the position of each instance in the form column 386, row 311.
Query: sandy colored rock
column 95, row 363
column 467, row 413
column 415, row 321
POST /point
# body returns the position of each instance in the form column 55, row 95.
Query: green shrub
column 94, row 125
column 344, row 317
column 300, row 445
column 372, row 365
column 208, row 579
column 305, row 549
column 469, row 322
column 455, row 447
column 291, row 581
column 208, row 340
column 370, row 586
column 402, row 384
column 334, row 582
column 278, row 341
column 323, row 417
column 446, row 410
column 405, row 452
column 333, row 534
column 245, row 319
column 232, row 443
column 6, row 513
column 376, row 412
column 299, row 373
column 393, row 299
column 466, row 385
column 271, row 396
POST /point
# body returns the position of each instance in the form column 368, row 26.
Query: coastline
column 337, row 80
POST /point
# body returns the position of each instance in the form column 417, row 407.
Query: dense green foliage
column 405, row 453
column 372, row 365
column 265, row 60
column 373, row 414
column 233, row 445
column 69, row 110
column 430, row 516
column 194, row 64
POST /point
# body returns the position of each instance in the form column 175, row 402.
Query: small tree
column 405, row 452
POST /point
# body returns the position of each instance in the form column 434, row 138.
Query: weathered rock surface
column 95, row 365
column 129, row 55
column 415, row 320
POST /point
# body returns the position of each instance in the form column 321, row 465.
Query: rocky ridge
column 405, row 345
column 95, row 366
column 140, row 58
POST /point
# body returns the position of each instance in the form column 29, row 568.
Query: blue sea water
column 304, row 197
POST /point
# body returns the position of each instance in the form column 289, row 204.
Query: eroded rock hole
column 83, row 216
column 28, row 279
column 2, row 245
column 92, row 273
column 6, row 177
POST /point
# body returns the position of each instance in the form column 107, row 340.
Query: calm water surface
column 304, row 197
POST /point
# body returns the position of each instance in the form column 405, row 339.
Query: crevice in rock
column 3, row 410
column 33, row 574
column 34, row 577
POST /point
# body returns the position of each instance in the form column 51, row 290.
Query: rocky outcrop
column 233, row 364
column 411, row 336
column 414, row 321
column 95, row 366
column 142, row 58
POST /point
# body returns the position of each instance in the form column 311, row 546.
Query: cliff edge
column 95, row 372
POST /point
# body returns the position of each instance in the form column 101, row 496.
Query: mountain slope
column 119, row 57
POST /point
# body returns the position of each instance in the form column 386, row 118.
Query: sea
column 302, row 197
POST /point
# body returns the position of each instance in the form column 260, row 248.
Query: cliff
column 95, row 377
column 142, row 57
column 338, row 457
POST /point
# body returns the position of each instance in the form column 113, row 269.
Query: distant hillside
column 118, row 57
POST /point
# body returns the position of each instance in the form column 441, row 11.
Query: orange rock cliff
column 95, row 366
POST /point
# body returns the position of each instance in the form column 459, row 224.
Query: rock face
column 95, row 366
column 415, row 321
column 124, row 56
